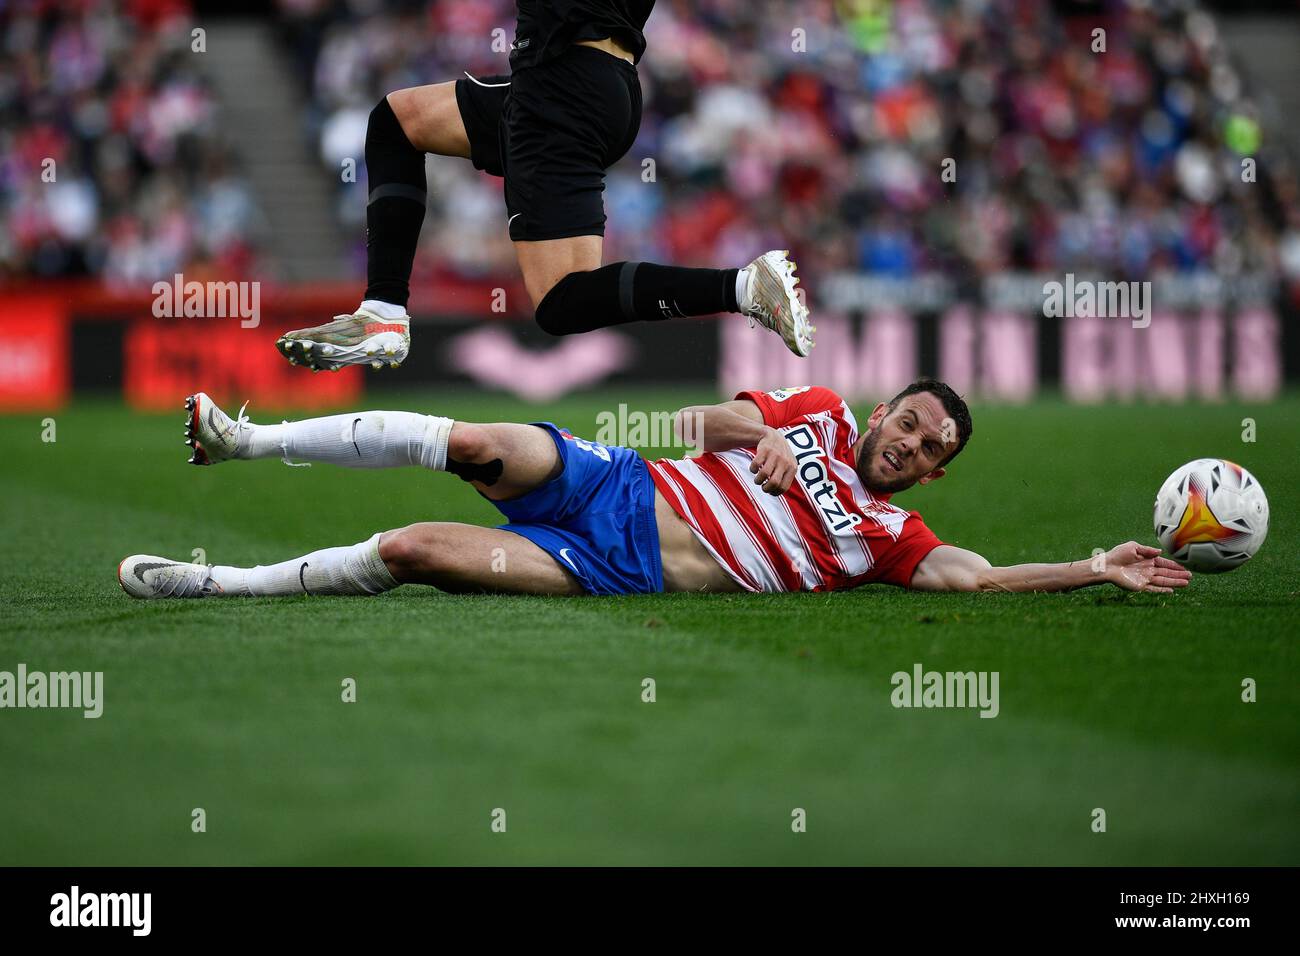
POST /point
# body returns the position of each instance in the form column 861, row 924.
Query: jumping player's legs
column 403, row 126
column 551, row 131
column 545, row 262
column 431, row 119
column 564, row 123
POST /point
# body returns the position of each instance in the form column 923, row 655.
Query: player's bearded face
column 899, row 451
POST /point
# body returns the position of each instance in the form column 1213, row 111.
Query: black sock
column 395, row 212
column 634, row 291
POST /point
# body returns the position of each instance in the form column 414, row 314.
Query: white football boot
column 149, row 576
column 213, row 434
column 362, row 338
column 771, row 299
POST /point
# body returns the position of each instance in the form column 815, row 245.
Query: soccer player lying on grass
column 786, row 496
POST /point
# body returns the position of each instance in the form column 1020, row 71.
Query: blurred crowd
column 893, row 136
column 899, row 137
column 111, row 159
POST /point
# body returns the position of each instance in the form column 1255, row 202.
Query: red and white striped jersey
column 825, row 533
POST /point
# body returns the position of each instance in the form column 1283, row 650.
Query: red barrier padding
column 167, row 360
column 35, row 355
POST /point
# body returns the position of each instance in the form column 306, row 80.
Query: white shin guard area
column 356, row 440
column 353, row 569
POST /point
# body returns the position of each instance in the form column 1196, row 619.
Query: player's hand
column 773, row 465
column 1137, row 567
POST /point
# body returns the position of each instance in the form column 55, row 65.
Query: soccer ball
column 1211, row 515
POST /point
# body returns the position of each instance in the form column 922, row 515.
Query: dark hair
column 953, row 405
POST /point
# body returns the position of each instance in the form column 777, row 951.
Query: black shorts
column 551, row 131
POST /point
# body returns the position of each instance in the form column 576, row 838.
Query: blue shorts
column 596, row 517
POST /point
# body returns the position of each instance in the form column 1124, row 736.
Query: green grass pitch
column 1130, row 703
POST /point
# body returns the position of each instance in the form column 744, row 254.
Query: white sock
column 385, row 310
column 742, row 290
column 355, row 440
column 355, row 569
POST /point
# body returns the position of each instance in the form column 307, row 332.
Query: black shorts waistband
column 588, row 52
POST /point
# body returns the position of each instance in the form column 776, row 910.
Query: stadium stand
column 107, row 100
column 832, row 141
column 827, row 140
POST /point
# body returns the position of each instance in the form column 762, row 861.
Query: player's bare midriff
column 687, row 564
column 610, row 46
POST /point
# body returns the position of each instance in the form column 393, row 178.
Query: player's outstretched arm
column 1132, row 566
column 739, row 424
